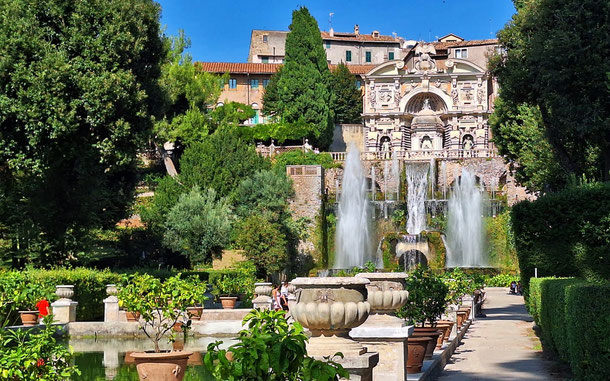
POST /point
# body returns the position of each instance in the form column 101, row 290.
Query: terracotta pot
column 431, row 344
column 446, row 325
column 164, row 366
column 439, row 339
column 29, row 318
column 228, row 302
column 132, row 316
column 177, row 327
column 194, row 313
column 461, row 317
column 416, row 350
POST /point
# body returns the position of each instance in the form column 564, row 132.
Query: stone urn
column 263, row 300
column 112, row 290
column 330, row 307
column 65, row 292
column 386, row 294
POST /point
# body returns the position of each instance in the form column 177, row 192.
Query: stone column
column 263, row 295
column 330, row 307
column 383, row 332
column 64, row 309
column 111, row 304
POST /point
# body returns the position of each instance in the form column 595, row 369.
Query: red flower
column 40, row 363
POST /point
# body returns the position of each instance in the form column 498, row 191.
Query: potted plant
column 26, row 297
column 230, row 285
column 161, row 306
column 426, row 303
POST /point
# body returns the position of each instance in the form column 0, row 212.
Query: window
column 327, row 44
column 254, row 83
column 391, row 56
column 265, row 59
column 265, row 38
column 265, row 82
column 232, row 83
column 358, row 84
column 348, row 56
column 367, row 56
column 461, row 53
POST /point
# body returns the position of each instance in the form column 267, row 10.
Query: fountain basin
column 386, row 291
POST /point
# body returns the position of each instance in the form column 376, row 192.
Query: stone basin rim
column 382, row 276
column 329, row 281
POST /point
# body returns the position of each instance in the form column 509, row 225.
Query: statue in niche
column 426, row 105
column 468, row 143
column 426, row 143
column 480, row 95
column 386, row 147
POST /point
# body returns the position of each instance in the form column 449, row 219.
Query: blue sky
column 220, row 29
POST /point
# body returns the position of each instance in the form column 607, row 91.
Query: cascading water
column 417, row 187
column 353, row 244
column 465, row 236
column 396, row 175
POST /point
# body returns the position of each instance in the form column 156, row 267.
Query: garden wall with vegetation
column 574, row 316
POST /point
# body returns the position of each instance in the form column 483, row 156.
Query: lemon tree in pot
column 161, row 305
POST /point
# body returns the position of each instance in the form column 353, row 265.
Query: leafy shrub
column 501, row 280
column 35, row 355
column 264, row 244
column 565, row 233
column 502, row 252
column 427, row 297
column 160, row 304
column 574, row 316
column 237, row 281
column 269, row 349
column 299, row 157
column 198, row 226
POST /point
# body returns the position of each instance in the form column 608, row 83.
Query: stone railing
column 272, row 150
column 421, row 155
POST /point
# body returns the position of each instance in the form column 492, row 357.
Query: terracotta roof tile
column 357, row 37
column 261, row 68
column 457, row 44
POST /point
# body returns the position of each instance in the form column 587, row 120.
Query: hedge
column 574, row 317
column 564, row 234
column 89, row 284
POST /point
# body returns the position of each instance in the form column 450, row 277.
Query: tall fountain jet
column 353, row 242
column 465, row 236
column 417, row 188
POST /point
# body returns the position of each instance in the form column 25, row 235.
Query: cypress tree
column 347, row 99
column 301, row 90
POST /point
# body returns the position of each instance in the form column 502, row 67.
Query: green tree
column 220, row 162
column 518, row 132
column 264, row 243
column 78, row 86
column 189, row 92
column 198, row 226
column 265, row 192
column 347, row 99
column 558, row 54
column 300, row 91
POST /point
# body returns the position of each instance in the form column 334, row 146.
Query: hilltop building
column 267, row 46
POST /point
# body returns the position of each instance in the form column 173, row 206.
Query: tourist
column 513, row 287
column 479, row 299
column 43, row 309
column 284, row 296
column 276, row 295
column 519, row 288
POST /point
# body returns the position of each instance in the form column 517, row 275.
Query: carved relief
column 467, row 94
column 480, row 95
column 385, row 96
column 423, row 60
column 455, row 96
column 325, row 296
column 397, row 97
column 372, row 98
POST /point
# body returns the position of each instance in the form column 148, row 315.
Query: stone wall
column 309, row 188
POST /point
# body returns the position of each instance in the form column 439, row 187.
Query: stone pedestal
column 111, row 363
column 383, row 332
column 64, row 309
column 452, row 315
column 330, row 307
column 263, row 298
column 391, row 343
column 111, row 304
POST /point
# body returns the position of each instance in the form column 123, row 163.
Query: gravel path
column 501, row 346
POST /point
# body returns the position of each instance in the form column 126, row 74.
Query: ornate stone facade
column 428, row 106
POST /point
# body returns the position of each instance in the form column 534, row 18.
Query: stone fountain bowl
column 330, row 306
column 386, row 291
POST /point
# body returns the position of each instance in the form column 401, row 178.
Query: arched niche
column 413, row 102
